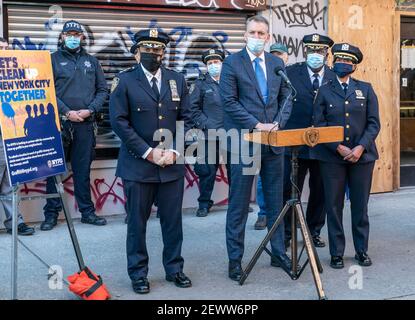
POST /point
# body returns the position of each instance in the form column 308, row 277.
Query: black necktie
column 345, row 86
column 316, row 82
column 155, row 88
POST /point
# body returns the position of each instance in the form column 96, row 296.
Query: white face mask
column 214, row 69
column 256, row 46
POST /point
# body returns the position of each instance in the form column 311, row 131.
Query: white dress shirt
column 150, row 77
column 262, row 62
column 320, row 75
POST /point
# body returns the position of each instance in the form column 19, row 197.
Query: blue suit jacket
column 302, row 111
column 136, row 115
column 241, row 95
column 357, row 111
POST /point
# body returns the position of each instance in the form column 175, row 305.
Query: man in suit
column 147, row 100
column 307, row 77
column 254, row 97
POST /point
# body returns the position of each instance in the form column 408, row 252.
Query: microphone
column 280, row 72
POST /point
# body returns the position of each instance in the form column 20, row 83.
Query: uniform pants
column 315, row 214
column 81, row 152
column 140, row 198
column 206, row 170
column 359, row 179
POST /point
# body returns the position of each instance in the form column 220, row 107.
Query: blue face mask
column 342, row 69
column 315, row 60
column 72, row 42
column 256, row 46
column 214, row 69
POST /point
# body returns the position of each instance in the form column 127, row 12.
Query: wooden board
column 371, row 26
column 287, row 138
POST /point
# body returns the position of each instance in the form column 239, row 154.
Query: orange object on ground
column 88, row 285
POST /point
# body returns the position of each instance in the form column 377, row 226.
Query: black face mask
column 150, row 61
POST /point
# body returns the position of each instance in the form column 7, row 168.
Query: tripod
column 293, row 205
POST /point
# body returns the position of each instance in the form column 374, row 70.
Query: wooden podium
column 294, row 138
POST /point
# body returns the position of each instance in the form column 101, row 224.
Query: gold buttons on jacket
column 160, row 117
column 160, row 105
column 347, row 138
column 348, row 126
column 347, row 115
column 347, row 102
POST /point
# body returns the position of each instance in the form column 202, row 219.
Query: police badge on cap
column 348, row 52
column 212, row 54
column 317, row 41
column 150, row 38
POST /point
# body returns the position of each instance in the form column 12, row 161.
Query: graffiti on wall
column 109, row 189
column 218, row 4
column 292, row 19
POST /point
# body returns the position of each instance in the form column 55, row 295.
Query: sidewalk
column 391, row 247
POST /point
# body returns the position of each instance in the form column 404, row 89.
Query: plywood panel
column 370, row 25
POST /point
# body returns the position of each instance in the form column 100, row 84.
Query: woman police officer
column 352, row 104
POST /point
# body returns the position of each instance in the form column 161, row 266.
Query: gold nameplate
column 173, row 89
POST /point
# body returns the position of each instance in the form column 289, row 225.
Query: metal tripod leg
column 312, row 256
column 72, row 233
column 15, row 203
column 263, row 244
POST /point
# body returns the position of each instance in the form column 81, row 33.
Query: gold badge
column 316, row 38
column 311, row 137
column 212, row 51
column 154, row 33
column 115, row 83
column 173, row 89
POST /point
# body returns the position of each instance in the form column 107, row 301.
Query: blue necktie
column 261, row 79
column 345, row 87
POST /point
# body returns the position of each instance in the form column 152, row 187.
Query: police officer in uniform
column 207, row 114
column 81, row 90
column 353, row 104
column 307, row 77
column 145, row 103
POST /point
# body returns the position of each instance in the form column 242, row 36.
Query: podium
column 296, row 139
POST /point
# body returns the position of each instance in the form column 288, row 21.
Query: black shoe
column 336, row 262
column 202, row 212
column 363, row 259
column 285, row 260
column 94, row 220
column 261, row 223
column 318, row 242
column 179, row 279
column 48, row 224
column 210, row 205
column 23, row 230
column 235, row 271
column 287, row 243
column 141, row 286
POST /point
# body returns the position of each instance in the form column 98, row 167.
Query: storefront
column 109, row 27
column 196, row 25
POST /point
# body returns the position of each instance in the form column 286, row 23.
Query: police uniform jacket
column 206, row 104
column 136, row 115
column 302, row 110
column 357, row 111
column 79, row 81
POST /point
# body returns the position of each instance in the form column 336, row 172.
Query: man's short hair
column 258, row 19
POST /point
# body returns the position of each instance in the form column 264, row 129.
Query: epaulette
column 129, row 69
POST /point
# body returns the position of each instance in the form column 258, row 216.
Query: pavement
column 391, row 247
